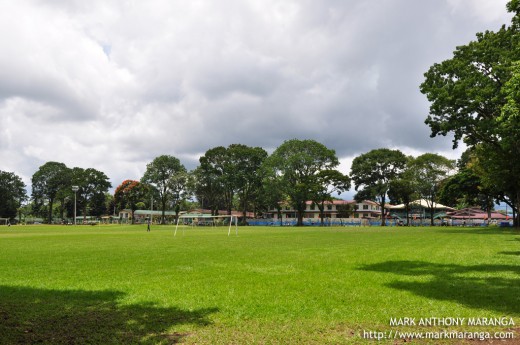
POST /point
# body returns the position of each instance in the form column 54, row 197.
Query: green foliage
column 374, row 171
column 429, row 171
column 48, row 182
column 214, row 178
column 129, row 194
column 474, row 95
column 295, row 168
column 170, row 178
column 326, row 183
column 93, row 184
column 12, row 194
column 246, row 163
column 466, row 91
column 226, row 173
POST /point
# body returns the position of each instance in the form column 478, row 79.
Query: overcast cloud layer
column 113, row 84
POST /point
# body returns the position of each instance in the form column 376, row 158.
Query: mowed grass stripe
column 295, row 282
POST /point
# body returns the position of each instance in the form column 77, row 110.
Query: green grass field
column 120, row 284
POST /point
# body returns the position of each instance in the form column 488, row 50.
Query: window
column 329, row 207
column 313, row 206
column 365, row 207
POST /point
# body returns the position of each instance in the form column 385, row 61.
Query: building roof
column 154, row 213
column 423, row 203
column 475, row 213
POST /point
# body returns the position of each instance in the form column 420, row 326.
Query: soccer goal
column 202, row 219
column 4, row 221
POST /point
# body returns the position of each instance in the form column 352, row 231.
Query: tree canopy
column 169, row 177
column 128, row 194
column 12, row 191
column 48, row 181
column 474, row 95
column 372, row 172
column 296, row 165
column 429, row 171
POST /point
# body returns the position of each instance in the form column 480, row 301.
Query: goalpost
column 197, row 218
column 4, row 221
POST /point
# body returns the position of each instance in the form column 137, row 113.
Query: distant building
column 333, row 209
column 475, row 215
column 419, row 209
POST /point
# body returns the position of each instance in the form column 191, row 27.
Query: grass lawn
column 119, row 284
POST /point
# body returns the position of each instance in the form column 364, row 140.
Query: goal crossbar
column 207, row 217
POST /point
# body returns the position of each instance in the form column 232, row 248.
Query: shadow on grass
column 490, row 287
column 479, row 230
column 510, row 253
column 29, row 316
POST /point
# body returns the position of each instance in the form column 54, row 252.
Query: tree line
column 248, row 179
column 239, row 177
column 474, row 95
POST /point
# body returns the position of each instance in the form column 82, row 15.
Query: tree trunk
column 383, row 202
column 51, row 203
column 407, row 207
column 300, row 211
column 244, row 211
column 516, row 214
column 85, row 213
column 322, row 213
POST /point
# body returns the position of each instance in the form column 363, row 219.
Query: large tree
column 225, row 174
column 180, row 187
column 296, row 164
column 403, row 191
column 12, row 194
column 215, row 171
column 373, row 172
column 128, row 194
column 328, row 182
column 467, row 186
column 429, row 171
column 474, row 94
column 168, row 176
column 93, row 184
column 245, row 166
column 50, row 179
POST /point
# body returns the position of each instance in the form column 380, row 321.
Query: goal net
column 4, row 221
column 206, row 220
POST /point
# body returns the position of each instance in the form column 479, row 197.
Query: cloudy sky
column 113, row 84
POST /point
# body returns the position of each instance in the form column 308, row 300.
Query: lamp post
column 75, row 189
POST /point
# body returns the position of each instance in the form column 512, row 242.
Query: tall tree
column 180, row 187
column 403, row 191
column 374, row 171
column 164, row 173
column 93, row 184
column 429, row 171
column 215, row 169
column 273, row 195
column 245, row 165
column 207, row 189
column 473, row 95
column 48, row 181
column 12, row 194
column 466, row 187
column 296, row 164
column 128, row 194
column 328, row 182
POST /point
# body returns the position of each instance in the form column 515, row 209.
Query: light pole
column 75, row 189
